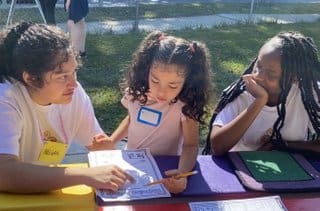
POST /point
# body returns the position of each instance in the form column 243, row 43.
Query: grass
column 167, row 11
column 232, row 48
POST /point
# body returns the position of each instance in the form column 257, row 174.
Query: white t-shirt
column 295, row 126
column 157, row 126
column 20, row 126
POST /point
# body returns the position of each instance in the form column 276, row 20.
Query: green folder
column 272, row 166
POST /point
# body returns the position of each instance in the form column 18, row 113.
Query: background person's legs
column 48, row 8
column 78, row 35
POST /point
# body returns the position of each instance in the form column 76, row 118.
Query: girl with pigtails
column 167, row 91
column 275, row 104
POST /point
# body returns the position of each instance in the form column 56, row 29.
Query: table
column 293, row 202
column 81, row 198
column 306, row 201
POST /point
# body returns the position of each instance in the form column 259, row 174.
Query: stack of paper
column 268, row 203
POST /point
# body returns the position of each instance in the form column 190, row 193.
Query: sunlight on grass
column 233, row 66
column 107, row 106
column 166, row 11
column 232, row 49
column 150, row 14
column 105, row 96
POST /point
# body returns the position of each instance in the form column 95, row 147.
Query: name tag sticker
column 149, row 116
column 53, row 152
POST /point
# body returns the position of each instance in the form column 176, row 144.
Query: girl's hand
column 265, row 142
column 101, row 142
column 109, row 177
column 253, row 87
column 267, row 146
column 172, row 184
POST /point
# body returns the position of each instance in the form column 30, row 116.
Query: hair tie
column 15, row 33
column 12, row 39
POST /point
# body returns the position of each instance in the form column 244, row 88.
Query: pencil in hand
column 175, row 177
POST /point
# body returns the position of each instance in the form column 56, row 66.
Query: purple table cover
column 315, row 163
column 215, row 175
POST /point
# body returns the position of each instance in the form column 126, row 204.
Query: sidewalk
column 122, row 27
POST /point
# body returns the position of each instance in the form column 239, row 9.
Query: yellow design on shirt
column 48, row 137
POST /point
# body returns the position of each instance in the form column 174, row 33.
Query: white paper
column 269, row 203
column 138, row 163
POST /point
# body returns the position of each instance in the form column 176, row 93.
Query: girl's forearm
column 122, row 130
column 224, row 138
column 188, row 158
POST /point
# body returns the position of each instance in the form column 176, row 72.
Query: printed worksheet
column 268, row 203
column 138, row 163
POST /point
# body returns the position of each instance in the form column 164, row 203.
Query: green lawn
column 167, row 11
column 231, row 48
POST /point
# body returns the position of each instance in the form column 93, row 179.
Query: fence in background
column 6, row 3
column 8, row 8
column 27, row 10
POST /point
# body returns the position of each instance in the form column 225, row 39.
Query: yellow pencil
column 176, row 177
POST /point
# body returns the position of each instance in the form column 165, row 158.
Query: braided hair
column 34, row 48
column 292, row 45
column 193, row 56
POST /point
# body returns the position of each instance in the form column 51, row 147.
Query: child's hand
column 254, row 88
column 172, row 184
column 101, row 142
column 108, row 177
column 266, row 145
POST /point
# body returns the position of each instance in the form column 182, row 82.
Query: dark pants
column 48, row 8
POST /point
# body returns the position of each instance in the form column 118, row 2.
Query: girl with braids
column 167, row 90
column 42, row 109
column 274, row 104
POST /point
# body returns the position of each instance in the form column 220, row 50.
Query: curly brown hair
column 194, row 56
column 34, row 48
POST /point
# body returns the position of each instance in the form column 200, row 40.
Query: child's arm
column 122, row 130
column 188, row 157
column 189, row 153
column 225, row 137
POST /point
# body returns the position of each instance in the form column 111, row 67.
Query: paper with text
column 138, row 163
column 268, row 203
